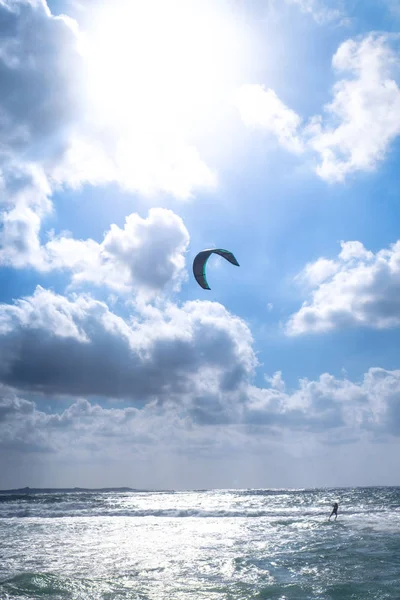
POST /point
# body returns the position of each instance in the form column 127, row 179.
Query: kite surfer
column 334, row 511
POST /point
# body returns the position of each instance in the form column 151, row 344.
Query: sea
column 205, row 544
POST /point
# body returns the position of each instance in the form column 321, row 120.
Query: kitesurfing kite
column 200, row 261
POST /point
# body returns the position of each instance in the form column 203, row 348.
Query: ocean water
column 220, row 544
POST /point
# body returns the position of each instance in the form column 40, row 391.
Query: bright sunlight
column 161, row 68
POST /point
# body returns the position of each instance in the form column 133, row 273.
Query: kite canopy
column 200, row 261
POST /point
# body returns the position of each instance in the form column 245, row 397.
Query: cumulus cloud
column 357, row 127
column 179, row 381
column 329, row 410
column 360, row 288
column 182, row 368
column 11, row 405
column 317, row 272
column 112, row 433
column 20, row 429
column 41, row 75
column 145, row 256
column 77, row 346
column 366, row 107
column 261, row 108
column 26, row 198
column 317, row 406
column 335, row 410
column 26, row 428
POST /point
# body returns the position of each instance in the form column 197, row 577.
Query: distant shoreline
column 28, row 490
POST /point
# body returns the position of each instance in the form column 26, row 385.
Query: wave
column 46, row 585
column 271, row 515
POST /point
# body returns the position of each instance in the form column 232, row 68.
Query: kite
column 200, row 262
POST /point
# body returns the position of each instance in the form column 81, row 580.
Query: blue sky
column 135, row 135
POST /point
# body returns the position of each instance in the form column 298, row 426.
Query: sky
column 134, row 135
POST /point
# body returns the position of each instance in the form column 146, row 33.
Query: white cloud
column 288, row 426
column 197, row 353
column 187, row 374
column 357, row 127
column 25, row 428
column 41, row 74
column 276, row 381
column 26, row 199
column 194, row 364
column 40, row 79
column 354, row 250
column 147, row 166
column 319, row 9
column 335, row 410
column 366, row 106
column 261, row 108
column 360, row 288
column 317, row 272
column 145, row 256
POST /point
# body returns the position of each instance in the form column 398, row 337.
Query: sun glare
column 157, row 67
